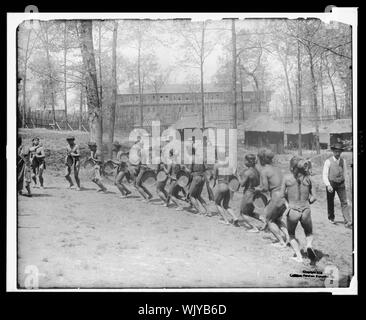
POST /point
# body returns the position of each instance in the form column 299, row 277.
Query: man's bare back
column 271, row 179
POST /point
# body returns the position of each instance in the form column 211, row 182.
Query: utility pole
column 65, row 73
column 201, row 69
column 299, row 94
column 233, row 33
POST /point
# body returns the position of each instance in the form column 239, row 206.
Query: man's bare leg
column 118, row 183
column 163, row 195
column 100, row 185
column 295, row 245
column 194, row 204
column 76, row 176
column 203, row 205
column 258, row 217
column 149, row 195
column 201, row 208
column 67, row 176
column 284, row 231
column 221, row 211
column 259, row 214
column 309, row 247
column 27, row 186
column 234, row 216
column 141, row 192
column 34, row 177
column 273, row 227
column 309, row 241
column 248, row 224
column 119, row 187
column 176, row 201
column 40, row 176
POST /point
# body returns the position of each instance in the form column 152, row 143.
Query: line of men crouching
column 287, row 196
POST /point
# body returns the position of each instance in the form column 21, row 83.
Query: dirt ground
column 85, row 239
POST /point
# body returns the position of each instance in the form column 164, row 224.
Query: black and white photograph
column 182, row 151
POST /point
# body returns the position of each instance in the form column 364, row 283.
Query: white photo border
column 345, row 15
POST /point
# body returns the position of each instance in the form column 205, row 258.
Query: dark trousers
column 340, row 189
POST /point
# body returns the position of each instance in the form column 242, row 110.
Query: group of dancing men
column 288, row 195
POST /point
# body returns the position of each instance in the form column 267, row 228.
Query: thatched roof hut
column 264, row 131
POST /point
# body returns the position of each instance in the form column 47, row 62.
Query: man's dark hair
column 265, row 156
column 251, row 159
column 293, row 162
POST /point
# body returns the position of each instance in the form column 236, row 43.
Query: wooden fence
column 41, row 119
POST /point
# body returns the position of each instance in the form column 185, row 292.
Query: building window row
column 172, row 97
column 210, row 108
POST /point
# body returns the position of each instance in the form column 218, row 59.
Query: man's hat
column 337, row 146
column 35, row 138
column 70, row 138
column 92, row 144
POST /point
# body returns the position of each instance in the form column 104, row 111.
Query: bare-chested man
column 250, row 180
column 174, row 189
column 160, row 185
column 24, row 170
column 139, row 167
column 37, row 161
column 271, row 181
column 95, row 174
column 122, row 169
column 297, row 189
column 197, row 170
column 222, row 173
column 72, row 160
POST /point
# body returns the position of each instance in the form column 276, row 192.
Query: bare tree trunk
column 257, row 90
column 349, row 93
column 46, row 45
column 241, row 92
column 315, row 102
column 233, row 39
column 94, row 111
column 44, row 101
column 139, row 83
column 100, row 74
column 334, row 97
column 321, row 86
column 112, row 111
column 284, row 65
column 81, row 109
column 333, row 90
column 25, row 78
column 299, row 87
column 65, row 75
column 201, row 69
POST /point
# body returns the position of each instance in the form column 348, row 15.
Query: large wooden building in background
column 174, row 102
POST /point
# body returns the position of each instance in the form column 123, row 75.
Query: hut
column 191, row 122
column 307, row 135
column 340, row 130
column 264, row 131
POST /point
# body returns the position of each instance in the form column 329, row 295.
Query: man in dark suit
column 334, row 176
